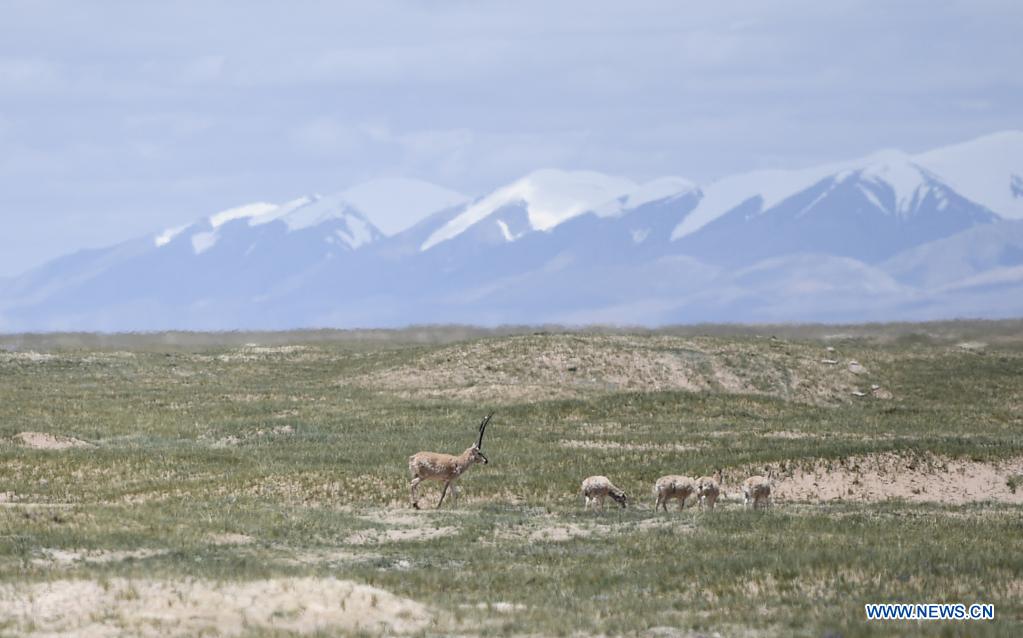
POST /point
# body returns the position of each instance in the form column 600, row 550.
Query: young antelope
column 708, row 488
column 597, row 488
column 673, row 486
column 756, row 490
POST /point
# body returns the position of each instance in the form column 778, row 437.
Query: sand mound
column 66, row 557
column 881, row 477
column 378, row 536
column 45, row 441
column 574, row 366
column 122, row 607
column 230, row 538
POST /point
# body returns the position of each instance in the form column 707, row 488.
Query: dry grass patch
column 27, row 356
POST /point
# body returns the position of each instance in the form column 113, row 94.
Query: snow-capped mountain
column 888, row 236
column 348, row 227
column 870, row 209
column 539, row 201
column 987, row 170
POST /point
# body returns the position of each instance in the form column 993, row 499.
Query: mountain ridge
column 852, row 240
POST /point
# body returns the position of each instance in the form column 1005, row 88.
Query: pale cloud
column 204, row 70
column 324, row 135
column 174, row 125
column 28, row 75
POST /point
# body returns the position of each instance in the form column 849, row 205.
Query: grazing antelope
column 673, row 486
column 597, row 488
column 756, row 489
column 708, row 488
column 434, row 466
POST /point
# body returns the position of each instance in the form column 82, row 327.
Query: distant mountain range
column 887, row 237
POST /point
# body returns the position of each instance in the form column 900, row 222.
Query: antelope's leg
column 443, row 493
column 415, row 483
column 455, row 492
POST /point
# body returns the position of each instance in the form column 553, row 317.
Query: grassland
column 258, row 483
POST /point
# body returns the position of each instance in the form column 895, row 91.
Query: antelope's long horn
column 483, row 426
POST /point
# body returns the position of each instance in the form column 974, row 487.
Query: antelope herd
column 448, row 468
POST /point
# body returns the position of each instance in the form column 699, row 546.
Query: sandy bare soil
column 67, row 557
column 230, row 539
column 45, row 441
column 549, row 530
column 29, row 355
column 581, row 444
column 398, row 535
column 572, row 366
column 891, row 476
column 122, row 607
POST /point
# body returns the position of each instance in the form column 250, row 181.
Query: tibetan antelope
column 756, row 490
column 708, row 488
column 434, row 466
column 673, row 486
column 597, row 488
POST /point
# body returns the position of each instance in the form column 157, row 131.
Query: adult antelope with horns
column 434, row 466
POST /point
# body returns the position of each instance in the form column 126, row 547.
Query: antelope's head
column 620, row 497
column 475, row 452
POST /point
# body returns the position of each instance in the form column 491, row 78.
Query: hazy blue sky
column 119, row 118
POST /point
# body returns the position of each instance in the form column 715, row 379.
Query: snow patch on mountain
column 314, row 212
column 397, row 203
column 168, row 235
column 239, row 212
column 986, row 170
column 393, row 205
column 201, row 242
column 895, row 170
column 657, row 190
column 550, row 196
column 297, row 214
column 770, row 186
column 283, row 212
column 359, row 232
column 907, row 178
